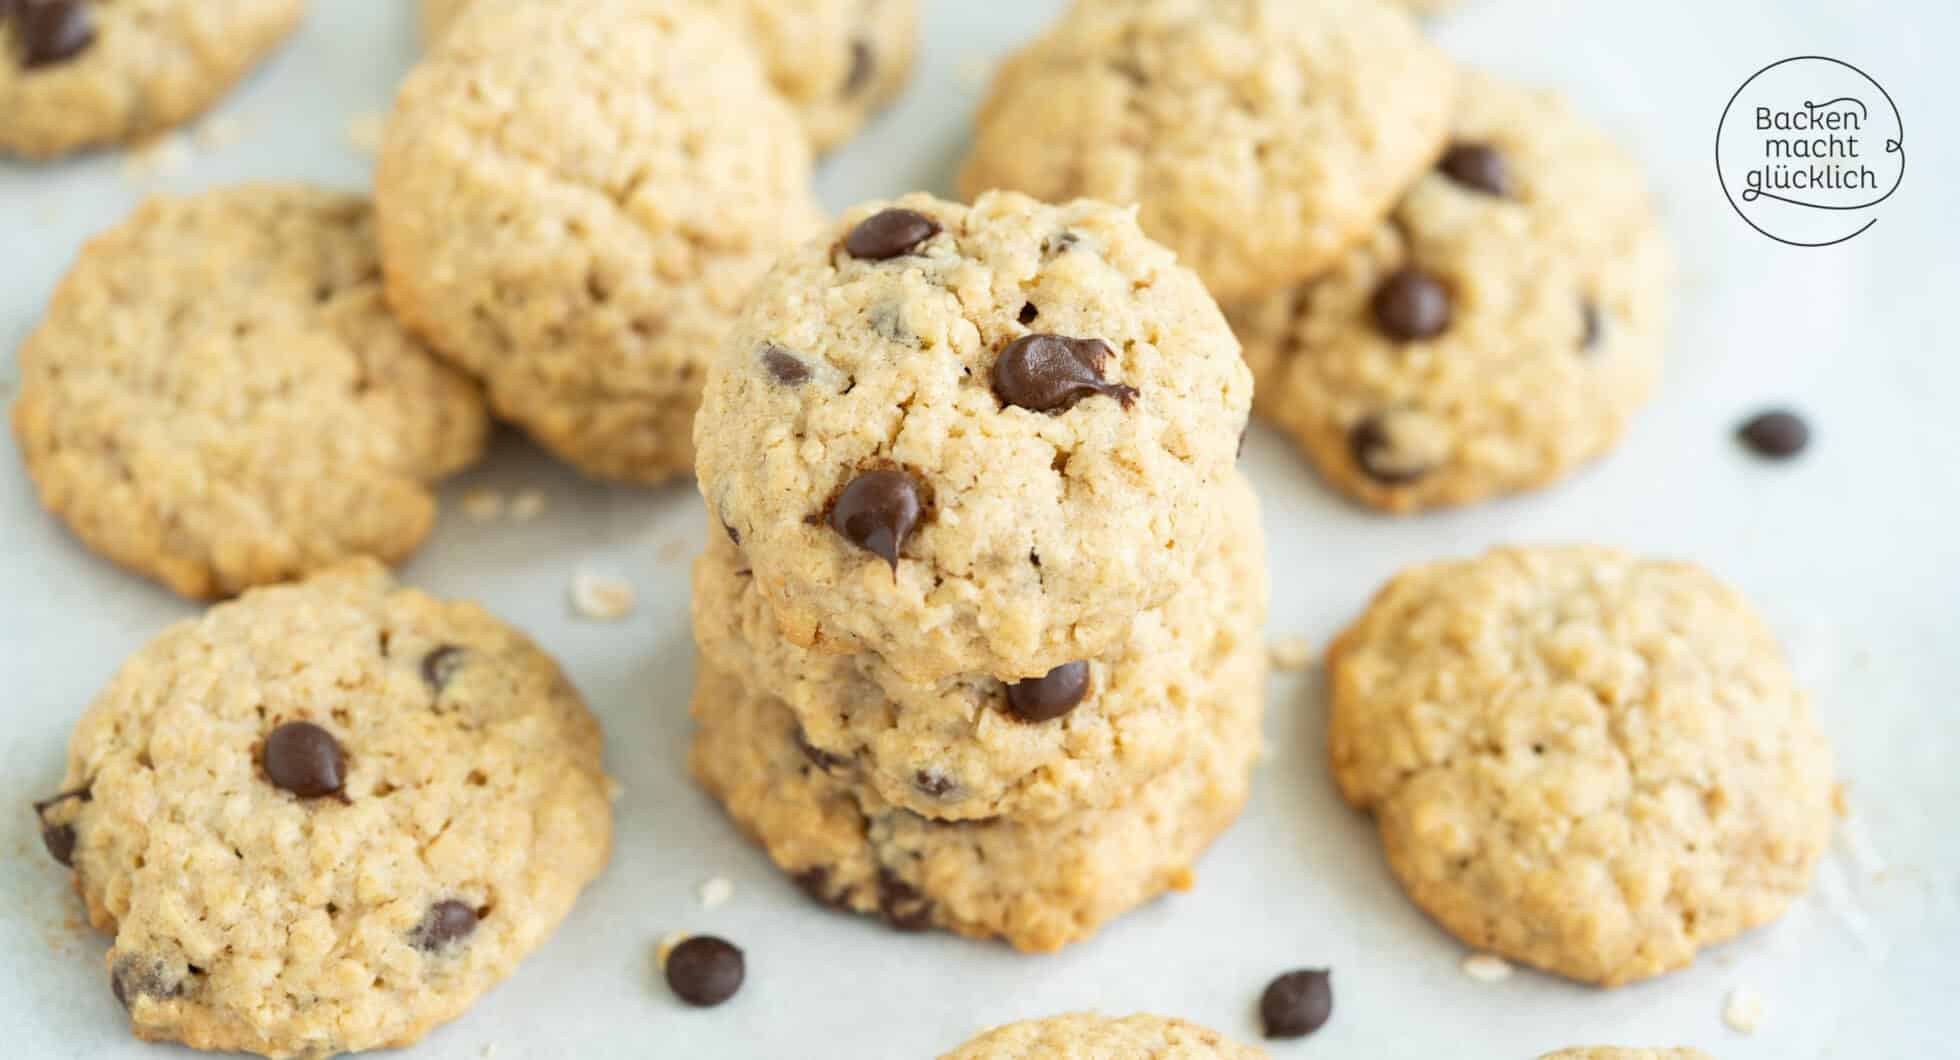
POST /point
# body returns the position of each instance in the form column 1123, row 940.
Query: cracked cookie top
column 973, row 439
column 572, row 206
column 1590, row 762
column 1260, row 137
column 325, row 817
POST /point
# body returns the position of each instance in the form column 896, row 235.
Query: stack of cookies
column 980, row 617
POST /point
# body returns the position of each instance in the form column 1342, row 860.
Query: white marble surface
column 1854, row 554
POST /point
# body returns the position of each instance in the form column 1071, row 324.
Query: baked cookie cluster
column 980, row 616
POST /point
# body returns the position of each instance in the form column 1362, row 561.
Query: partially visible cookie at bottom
column 1587, row 761
column 1037, row 885
column 326, row 817
column 1091, row 1036
column 1608, row 1052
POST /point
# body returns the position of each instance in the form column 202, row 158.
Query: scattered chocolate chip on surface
column 1778, row 434
column 1050, row 373
column 1411, row 305
column 305, row 759
column 888, row 234
column 1051, row 695
column 878, row 511
column 1298, row 1003
column 1479, row 167
column 704, row 970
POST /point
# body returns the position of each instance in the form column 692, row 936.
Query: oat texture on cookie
column 1580, row 759
column 218, row 397
column 573, row 207
column 972, row 439
column 1260, row 137
column 1497, row 331
column 76, row 74
column 326, row 817
column 1092, row 1036
column 835, row 62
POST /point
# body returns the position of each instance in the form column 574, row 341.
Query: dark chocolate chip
column 1778, row 434
column 818, row 757
column 1028, row 312
column 933, row 783
column 133, row 977
column 1478, row 166
column 878, row 511
column 446, row 922
column 1411, row 304
column 787, row 367
column 733, row 537
column 440, row 665
column 1050, row 373
column 52, row 31
column 815, row 882
column 1061, row 243
column 889, row 233
column 305, row 759
column 60, row 841
column 902, row 904
column 1373, row 449
column 1298, row 1003
column 1050, row 696
column 864, row 62
column 704, row 970
column 1594, row 325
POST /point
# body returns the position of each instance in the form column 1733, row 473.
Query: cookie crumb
column 1486, row 968
column 716, row 892
column 483, row 505
column 667, row 944
column 161, row 156
column 364, row 132
column 1744, row 1011
column 1291, row 653
column 601, row 597
column 527, row 505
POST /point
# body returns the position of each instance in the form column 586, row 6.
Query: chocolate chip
column 733, row 537
column 933, row 783
column 1593, row 325
column 1373, row 447
column 704, row 970
column 446, row 922
column 788, row 369
column 889, row 233
column 305, row 759
column 864, row 62
column 1028, row 312
column 815, row 882
column 1050, row 696
column 133, row 977
column 1478, row 166
column 60, row 841
column 1411, row 304
column 440, row 665
column 1050, row 373
column 52, row 31
column 902, row 904
column 878, row 511
column 1298, row 1003
column 818, row 757
column 1778, row 434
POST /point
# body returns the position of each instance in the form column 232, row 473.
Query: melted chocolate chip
column 133, row 977
column 704, row 970
column 1028, row 313
column 1373, row 447
column 815, row 882
column 787, row 368
column 1411, row 304
column 1050, row 373
column 878, row 511
column 902, row 904
column 1050, row 696
column 446, row 922
column 1298, row 1003
column 1778, row 434
column 1592, row 326
column 305, row 759
column 889, row 233
column 440, row 665
column 60, row 841
column 818, row 757
column 864, row 62
column 51, row 31
column 1479, row 167
column 933, row 783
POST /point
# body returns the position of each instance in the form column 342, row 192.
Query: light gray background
column 1852, row 553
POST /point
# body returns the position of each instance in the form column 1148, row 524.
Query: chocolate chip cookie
column 1586, row 761
column 572, row 206
column 326, row 817
column 1260, row 137
column 973, row 439
column 76, row 74
column 1499, row 330
column 219, row 398
column 1039, row 885
column 1090, row 1036
column 1084, row 736
column 1613, row 1053
column 836, row 62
